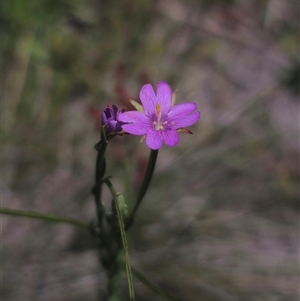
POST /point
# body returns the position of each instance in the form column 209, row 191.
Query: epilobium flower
column 159, row 119
column 110, row 119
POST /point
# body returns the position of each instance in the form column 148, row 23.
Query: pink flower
column 159, row 119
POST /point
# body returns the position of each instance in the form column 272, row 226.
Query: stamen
column 158, row 124
column 157, row 108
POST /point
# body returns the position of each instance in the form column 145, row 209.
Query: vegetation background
column 220, row 221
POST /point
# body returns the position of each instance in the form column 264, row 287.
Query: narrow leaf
column 123, row 237
column 45, row 217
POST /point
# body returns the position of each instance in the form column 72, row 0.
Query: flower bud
column 110, row 120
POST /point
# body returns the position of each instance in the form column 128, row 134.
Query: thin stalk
column 100, row 172
column 45, row 217
column 144, row 186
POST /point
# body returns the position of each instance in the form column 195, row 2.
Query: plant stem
column 144, row 186
column 100, row 171
column 45, row 217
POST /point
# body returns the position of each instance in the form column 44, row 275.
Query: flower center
column 158, row 120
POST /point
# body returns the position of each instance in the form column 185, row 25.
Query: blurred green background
column 220, row 221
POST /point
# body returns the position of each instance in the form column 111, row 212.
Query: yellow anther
column 157, row 108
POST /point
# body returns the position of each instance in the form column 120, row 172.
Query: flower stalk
column 99, row 174
column 144, row 186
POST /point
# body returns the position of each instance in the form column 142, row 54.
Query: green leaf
column 123, row 237
column 44, row 217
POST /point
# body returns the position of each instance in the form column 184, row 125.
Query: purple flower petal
column 109, row 118
column 164, row 97
column 134, row 117
column 153, row 139
column 114, row 126
column 135, row 129
column 159, row 120
column 170, row 138
column 148, row 99
column 104, row 119
column 185, row 121
column 182, row 110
